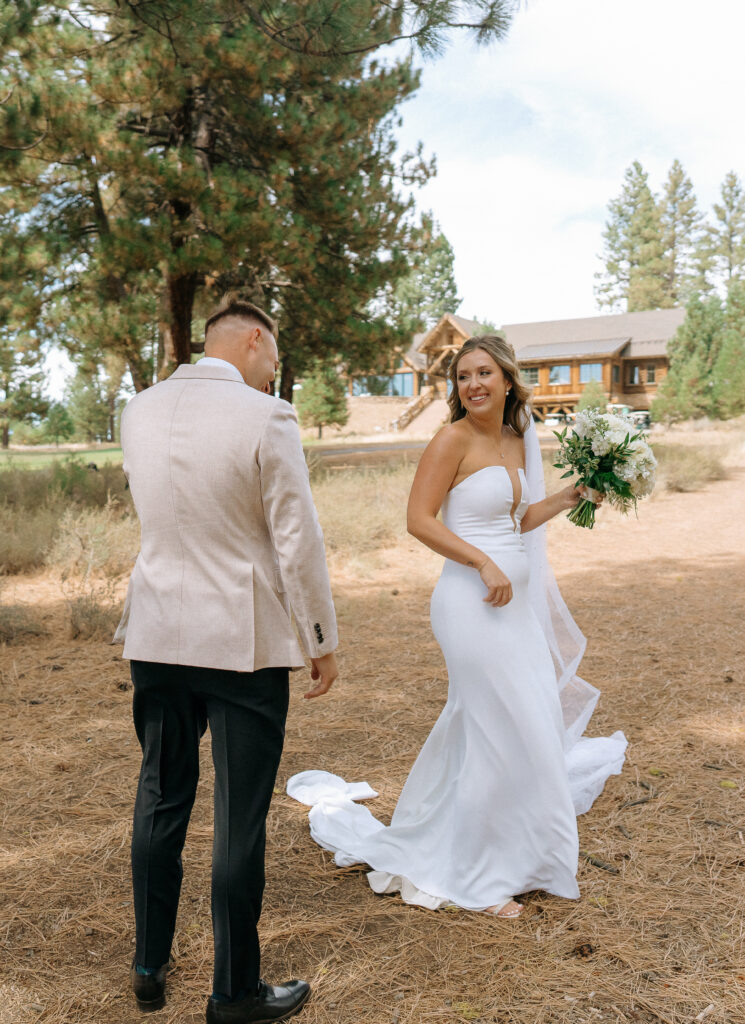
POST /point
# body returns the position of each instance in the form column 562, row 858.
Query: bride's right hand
column 499, row 588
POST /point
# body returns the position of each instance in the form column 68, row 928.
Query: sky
column 532, row 137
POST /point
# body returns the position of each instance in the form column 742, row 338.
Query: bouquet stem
column 583, row 514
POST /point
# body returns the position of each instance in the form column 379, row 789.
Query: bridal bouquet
column 609, row 458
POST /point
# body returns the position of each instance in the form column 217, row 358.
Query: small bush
column 684, row 468
column 91, row 541
column 17, row 623
column 25, row 537
column 93, row 615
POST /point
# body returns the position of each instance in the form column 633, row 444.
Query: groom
column 231, row 548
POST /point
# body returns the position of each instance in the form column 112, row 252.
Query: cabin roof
column 595, row 335
column 573, row 349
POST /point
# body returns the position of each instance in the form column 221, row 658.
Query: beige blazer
column 231, row 543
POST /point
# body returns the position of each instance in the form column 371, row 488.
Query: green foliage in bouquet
column 607, row 458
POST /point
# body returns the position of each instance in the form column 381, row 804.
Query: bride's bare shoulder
column 449, row 440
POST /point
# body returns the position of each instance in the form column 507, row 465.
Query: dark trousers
column 246, row 712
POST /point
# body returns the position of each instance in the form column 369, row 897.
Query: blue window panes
column 590, row 371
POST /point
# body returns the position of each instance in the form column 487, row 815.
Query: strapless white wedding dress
column 489, row 808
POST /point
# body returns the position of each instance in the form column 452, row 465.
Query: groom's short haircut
column 231, row 306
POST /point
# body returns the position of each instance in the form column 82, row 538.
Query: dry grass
column 658, row 938
column 364, row 510
column 18, row 624
column 95, row 541
column 683, row 468
column 38, row 508
column 25, row 537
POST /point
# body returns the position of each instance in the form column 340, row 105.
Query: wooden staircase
column 416, row 405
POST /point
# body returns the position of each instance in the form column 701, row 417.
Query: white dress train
column 489, row 808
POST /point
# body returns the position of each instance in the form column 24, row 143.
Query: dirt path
column 657, row 935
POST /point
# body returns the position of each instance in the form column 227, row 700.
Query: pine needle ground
column 658, row 934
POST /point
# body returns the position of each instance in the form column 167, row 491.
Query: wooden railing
column 415, row 406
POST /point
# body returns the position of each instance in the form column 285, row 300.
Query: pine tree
column 687, row 391
column 21, row 382
column 681, row 227
column 88, row 407
column 322, row 400
column 728, row 371
column 633, row 253
column 429, row 290
column 58, row 424
column 722, row 249
column 160, row 163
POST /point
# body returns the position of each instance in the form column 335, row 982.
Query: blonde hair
column 516, row 410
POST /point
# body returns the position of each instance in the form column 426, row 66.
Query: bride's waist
column 512, row 555
column 491, row 541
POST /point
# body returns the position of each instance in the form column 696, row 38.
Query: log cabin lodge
column 625, row 352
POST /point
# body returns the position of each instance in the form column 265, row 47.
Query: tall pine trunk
column 287, row 380
column 179, row 299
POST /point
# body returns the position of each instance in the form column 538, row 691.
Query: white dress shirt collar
column 214, row 361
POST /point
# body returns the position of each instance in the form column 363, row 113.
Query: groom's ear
column 254, row 337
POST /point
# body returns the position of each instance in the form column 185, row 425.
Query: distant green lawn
column 33, row 458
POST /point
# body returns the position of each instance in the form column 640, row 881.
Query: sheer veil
column 564, row 637
column 589, row 760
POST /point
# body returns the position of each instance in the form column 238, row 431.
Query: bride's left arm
column 542, row 511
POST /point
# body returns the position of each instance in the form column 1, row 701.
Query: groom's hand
column 324, row 669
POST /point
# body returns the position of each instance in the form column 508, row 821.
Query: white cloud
column 533, row 135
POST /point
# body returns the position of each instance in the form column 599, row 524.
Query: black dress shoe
column 271, row 1003
column 149, row 989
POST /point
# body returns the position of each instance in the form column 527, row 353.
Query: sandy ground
column 658, row 934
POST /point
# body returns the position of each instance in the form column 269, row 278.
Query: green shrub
column 65, row 481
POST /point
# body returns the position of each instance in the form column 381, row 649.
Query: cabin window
column 397, row 385
column 402, row 384
column 373, row 385
column 529, row 375
column 616, row 373
column 634, row 376
column 590, row 371
column 558, row 374
column 651, row 373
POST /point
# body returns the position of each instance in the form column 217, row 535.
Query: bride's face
column 482, row 386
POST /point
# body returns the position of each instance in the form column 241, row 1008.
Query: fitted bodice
column 478, row 508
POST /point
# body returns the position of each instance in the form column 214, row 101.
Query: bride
column 489, row 808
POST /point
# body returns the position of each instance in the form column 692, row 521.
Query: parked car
column 640, row 418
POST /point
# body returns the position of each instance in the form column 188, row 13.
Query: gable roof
column 467, row 328
column 647, row 333
column 415, row 359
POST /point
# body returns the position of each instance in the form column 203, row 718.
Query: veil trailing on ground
column 564, row 637
column 589, row 760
